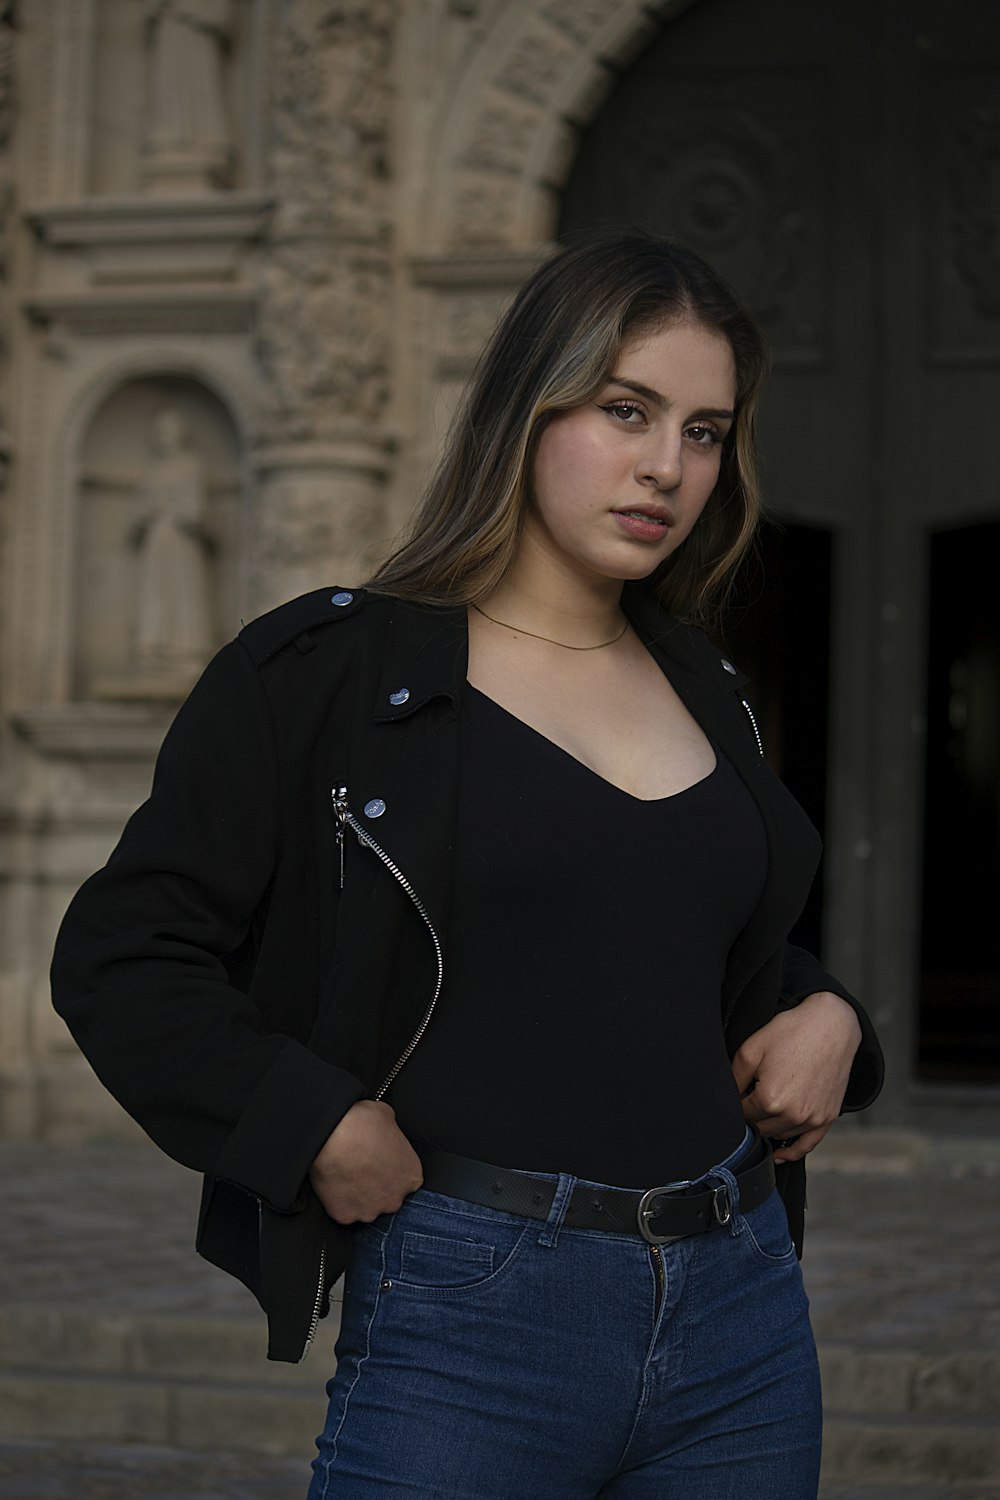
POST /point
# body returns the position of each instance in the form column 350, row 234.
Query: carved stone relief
column 508, row 141
column 325, row 310
column 325, row 321
column 538, row 57
column 723, row 174
column 159, row 531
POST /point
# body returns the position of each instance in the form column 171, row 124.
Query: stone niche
column 159, row 527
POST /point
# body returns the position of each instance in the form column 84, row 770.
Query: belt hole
column 597, row 1206
column 497, row 1187
column 538, row 1198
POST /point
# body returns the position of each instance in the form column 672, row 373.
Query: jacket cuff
column 804, row 976
column 287, row 1119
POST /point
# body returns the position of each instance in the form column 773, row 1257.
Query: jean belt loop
column 726, row 1206
column 557, row 1213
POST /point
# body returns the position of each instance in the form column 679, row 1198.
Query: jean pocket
column 430, row 1260
column 767, row 1230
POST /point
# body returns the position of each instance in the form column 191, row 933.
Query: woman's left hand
column 793, row 1072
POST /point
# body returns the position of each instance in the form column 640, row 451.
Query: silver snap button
column 342, row 598
column 375, row 808
column 729, row 666
column 399, row 696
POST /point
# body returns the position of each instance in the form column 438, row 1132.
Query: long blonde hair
column 552, row 351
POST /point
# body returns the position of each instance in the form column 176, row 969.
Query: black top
column 580, row 1026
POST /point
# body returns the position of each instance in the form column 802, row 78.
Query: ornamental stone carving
column 325, row 307
column 324, row 319
column 729, row 180
column 536, row 59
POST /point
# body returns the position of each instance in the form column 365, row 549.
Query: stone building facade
column 249, row 250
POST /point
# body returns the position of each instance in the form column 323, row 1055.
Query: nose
column 660, row 464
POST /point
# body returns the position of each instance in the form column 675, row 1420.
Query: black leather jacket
column 238, row 994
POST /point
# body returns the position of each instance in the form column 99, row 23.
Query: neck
column 565, row 608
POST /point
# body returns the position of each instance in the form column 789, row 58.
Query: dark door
column 841, row 165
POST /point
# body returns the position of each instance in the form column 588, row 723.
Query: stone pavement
column 131, row 1370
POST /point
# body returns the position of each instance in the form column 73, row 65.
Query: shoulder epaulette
column 715, row 661
column 295, row 622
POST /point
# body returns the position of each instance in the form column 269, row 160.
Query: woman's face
column 617, row 484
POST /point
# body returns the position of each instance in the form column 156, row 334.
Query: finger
column 800, row 1145
column 744, row 1071
column 754, row 1112
column 778, row 1126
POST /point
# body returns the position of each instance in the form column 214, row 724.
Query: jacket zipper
column 346, row 819
column 753, row 721
column 317, row 1301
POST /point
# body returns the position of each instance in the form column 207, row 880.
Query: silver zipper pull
column 339, row 795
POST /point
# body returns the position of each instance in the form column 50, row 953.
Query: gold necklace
column 552, row 642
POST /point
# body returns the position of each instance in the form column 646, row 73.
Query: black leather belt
column 660, row 1214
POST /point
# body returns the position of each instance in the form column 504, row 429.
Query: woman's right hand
column 367, row 1166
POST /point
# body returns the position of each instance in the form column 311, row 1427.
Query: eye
column 627, row 412
column 704, row 434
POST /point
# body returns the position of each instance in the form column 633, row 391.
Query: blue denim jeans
column 483, row 1356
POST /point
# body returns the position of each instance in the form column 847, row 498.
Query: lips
column 645, row 523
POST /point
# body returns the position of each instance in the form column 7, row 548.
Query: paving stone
column 95, row 1471
column 954, row 1490
column 221, row 1349
column 264, row 1421
column 911, row 1449
column 45, row 1405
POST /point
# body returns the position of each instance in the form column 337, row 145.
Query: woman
column 451, row 942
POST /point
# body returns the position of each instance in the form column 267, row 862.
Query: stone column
column 325, row 314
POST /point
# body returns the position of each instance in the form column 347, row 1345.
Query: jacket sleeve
column 804, row 975
column 141, row 971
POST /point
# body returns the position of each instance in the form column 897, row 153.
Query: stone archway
column 508, row 138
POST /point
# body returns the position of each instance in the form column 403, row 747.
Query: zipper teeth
column 411, row 1046
column 660, row 1278
column 318, row 1303
column 345, row 817
column 753, row 721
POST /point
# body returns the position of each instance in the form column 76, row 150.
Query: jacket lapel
column 712, row 691
column 404, row 764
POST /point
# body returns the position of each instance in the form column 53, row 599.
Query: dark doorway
column 960, row 959
column 838, row 164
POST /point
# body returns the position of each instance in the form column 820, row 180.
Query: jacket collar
column 426, row 656
column 684, row 645
column 426, row 652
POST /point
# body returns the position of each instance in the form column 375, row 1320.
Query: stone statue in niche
column 173, row 619
column 187, row 146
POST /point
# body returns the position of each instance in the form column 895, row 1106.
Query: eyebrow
column 722, row 413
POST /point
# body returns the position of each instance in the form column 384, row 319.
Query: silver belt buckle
column 647, row 1211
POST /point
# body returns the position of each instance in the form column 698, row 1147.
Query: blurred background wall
column 249, row 250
